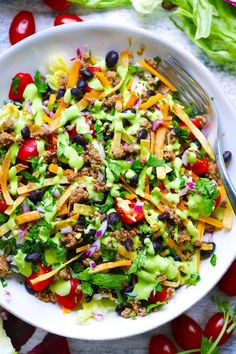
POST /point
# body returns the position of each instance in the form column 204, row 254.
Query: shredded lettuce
column 59, row 65
column 95, row 309
column 211, row 25
column 145, row 6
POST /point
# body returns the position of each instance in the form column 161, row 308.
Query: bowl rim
column 131, row 31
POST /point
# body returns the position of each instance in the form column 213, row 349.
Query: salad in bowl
column 109, row 189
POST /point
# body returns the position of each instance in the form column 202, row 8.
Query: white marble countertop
column 159, row 23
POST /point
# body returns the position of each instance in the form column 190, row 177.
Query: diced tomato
column 28, row 149
column 217, row 200
column 88, row 89
column 71, row 300
column 162, row 187
column 94, row 69
column 200, row 166
column 64, row 19
column 18, row 85
column 72, row 133
column 58, row 5
column 52, row 140
column 3, row 205
column 158, row 296
column 197, row 124
column 42, row 284
column 131, row 212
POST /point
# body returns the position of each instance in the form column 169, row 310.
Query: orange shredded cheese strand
column 82, row 248
column 196, row 132
column 53, row 168
column 151, row 101
column 157, row 74
column 52, row 99
column 83, row 103
column 59, row 110
column 4, row 177
column 74, row 74
column 111, row 265
column 211, row 221
column 104, row 80
column 28, row 217
column 173, row 244
column 15, row 205
column 131, row 101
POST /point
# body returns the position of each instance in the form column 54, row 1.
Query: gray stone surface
column 159, row 23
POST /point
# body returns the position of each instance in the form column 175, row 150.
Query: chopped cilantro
column 134, row 70
column 107, row 281
column 193, row 279
column 29, row 176
column 87, row 288
column 35, row 162
column 138, row 262
column 157, row 59
column 157, row 288
column 207, row 188
column 3, row 217
column 78, row 148
column 137, row 166
column 153, row 306
column 108, row 204
column 15, row 84
column 3, row 282
column 144, row 229
column 182, row 133
column 107, row 253
column 154, row 161
column 213, row 260
column 39, row 83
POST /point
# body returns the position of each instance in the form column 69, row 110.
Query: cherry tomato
column 57, row 5
column 42, row 284
column 214, row 326
column 22, row 26
column 162, row 187
column 200, row 166
column 160, row 344
column 187, row 332
column 94, row 69
column 52, row 141
column 228, row 284
column 18, row 85
column 64, row 19
column 72, row 133
column 3, row 205
column 130, row 212
column 158, row 296
column 28, row 149
column 197, row 124
column 71, row 300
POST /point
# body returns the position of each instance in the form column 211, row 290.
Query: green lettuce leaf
column 101, row 4
column 211, row 26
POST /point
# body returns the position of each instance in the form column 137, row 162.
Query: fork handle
column 229, row 187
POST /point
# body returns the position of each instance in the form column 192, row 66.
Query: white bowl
column 32, row 54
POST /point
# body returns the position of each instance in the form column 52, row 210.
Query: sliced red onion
column 93, row 248
column 28, row 106
column 208, row 237
column 48, row 113
column 9, row 259
column 73, row 59
column 183, row 191
column 92, row 264
column 98, row 317
column 7, row 295
column 138, row 207
column 78, row 52
column 190, row 185
column 102, row 229
column 4, row 315
column 66, row 230
column 46, row 129
column 134, row 82
column 26, row 207
column 130, row 159
column 156, row 124
column 21, row 236
column 157, row 108
column 137, row 103
column 56, row 193
column 185, row 158
column 100, row 175
column 101, row 151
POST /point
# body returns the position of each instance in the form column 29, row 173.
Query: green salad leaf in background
column 210, row 24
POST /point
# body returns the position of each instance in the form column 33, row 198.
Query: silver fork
column 195, row 96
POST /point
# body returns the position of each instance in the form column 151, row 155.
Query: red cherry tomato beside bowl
column 160, row 344
column 228, row 284
column 187, row 332
column 22, row 26
column 18, row 85
column 71, row 300
column 158, row 296
column 64, row 19
column 214, row 327
column 57, row 5
column 28, row 149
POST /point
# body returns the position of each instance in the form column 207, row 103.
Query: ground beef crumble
column 46, row 296
column 65, row 274
column 113, row 77
column 173, row 215
column 100, row 185
column 110, row 102
column 6, row 139
column 8, row 125
column 4, row 267
column 78, row 194
column 151, row 62
column 212, row 172
column 183, row 238
column 70, row 239
column 92, row 156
